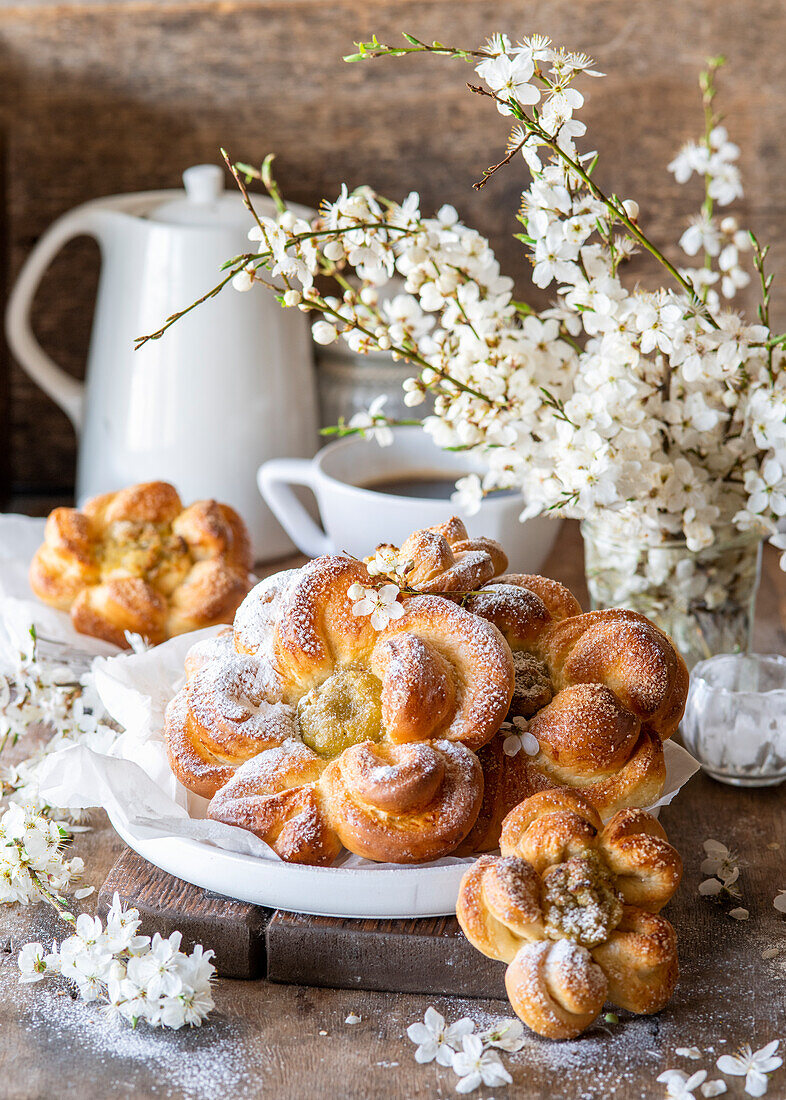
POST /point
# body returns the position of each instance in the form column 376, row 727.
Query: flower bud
column 323, row 332
column 631, row 208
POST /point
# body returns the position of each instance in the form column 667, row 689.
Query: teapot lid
column 205, row 202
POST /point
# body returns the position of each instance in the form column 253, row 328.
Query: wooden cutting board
column 427, row 955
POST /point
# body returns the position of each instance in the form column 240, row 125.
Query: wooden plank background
column 101, row 97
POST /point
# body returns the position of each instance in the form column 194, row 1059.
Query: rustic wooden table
column 292, row 1042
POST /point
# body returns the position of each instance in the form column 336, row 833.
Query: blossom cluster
column 474, row 1057
column 663, row 408
column 137, row 978
column 36, row 691
column 32, row 862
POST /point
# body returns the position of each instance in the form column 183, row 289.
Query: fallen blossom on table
column 135, row 977
column 779, row 901
column 753, row 1066
column 679, row 1086
column 723, row 865
column 506, row 1035
column 436, row 1040
column 476, row 1065
column 473, row 1057
column 688, row 1052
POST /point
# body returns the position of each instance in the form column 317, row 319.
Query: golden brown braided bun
column 444, row 561
column 137, row 561
column 393, row 803
column 595, row 696
column 313, row 729
column 572, row 907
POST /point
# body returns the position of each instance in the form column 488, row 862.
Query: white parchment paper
column 134, row 783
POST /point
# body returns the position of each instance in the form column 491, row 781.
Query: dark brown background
column 102, row 97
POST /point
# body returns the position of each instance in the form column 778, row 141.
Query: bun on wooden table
column 572, row 906
column 138, row 561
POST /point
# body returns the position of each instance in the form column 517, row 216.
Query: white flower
column 521, row 741
column 32, row 963
column 691, row 158
column 386, row 563
column 158, row 968
column 436, row 1040
column 679, row 1086
column 753, row 1066
column 372, row 423
column 506, row 1034
column 476, row 1066
column 509, row 78
column 702, row 235
column 721, row 863
column 382, row 604
column 468, row 495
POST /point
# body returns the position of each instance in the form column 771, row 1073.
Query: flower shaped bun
column 572, row 907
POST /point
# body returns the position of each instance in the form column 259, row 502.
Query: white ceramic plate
column 399, row 892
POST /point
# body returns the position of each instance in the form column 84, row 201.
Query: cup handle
column 275, row 479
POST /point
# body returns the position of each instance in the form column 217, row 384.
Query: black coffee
column 428, row 486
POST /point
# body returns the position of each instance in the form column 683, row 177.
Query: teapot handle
column 65, row 391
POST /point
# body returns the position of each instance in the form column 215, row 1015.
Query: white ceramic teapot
column 228, row 386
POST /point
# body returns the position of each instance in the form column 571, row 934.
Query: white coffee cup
column 356, row 518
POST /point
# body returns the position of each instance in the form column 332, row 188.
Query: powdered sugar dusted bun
column 556, row 988
column 626, row 652
column 556, row 907
column 640, row 961
column 276, row 796
column 316, row 629
column 482, row 673
column 403, row 803
column 227, row 712
column 255, row 619
column 498, row 906
column 444, row 560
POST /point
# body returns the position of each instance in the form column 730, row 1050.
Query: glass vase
column 704, row 599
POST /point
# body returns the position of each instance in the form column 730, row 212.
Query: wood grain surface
column 105, row 96
column 290, row 1042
